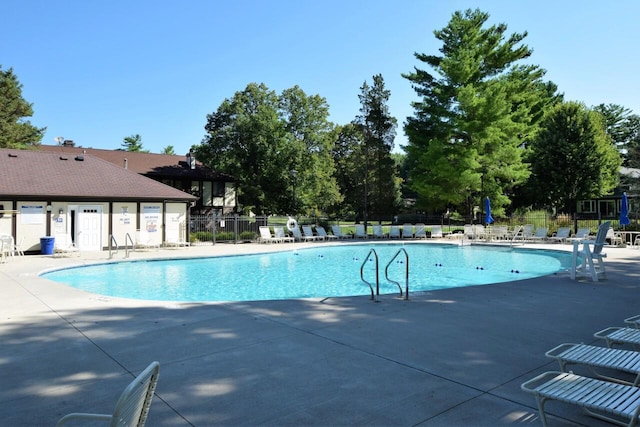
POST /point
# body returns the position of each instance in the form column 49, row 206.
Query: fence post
column 235, row 228
column 214, row 229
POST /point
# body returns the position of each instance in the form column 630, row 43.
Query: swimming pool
column 322, row 271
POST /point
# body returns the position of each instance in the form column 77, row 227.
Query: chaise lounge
column 600, row 399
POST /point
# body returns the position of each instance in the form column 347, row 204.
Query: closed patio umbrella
column 487, row 208
column 624, row 210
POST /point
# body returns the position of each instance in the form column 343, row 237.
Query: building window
column 587, row 206
column 207, row 200
column 218, row 189
column 607, row 208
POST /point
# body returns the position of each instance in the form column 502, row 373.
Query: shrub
column 248, row 235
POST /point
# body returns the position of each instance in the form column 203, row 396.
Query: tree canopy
column 277, row 146
column 133, row 143
column 476, row 112
column 367, row 174
column 15, row 130
column 573, row 158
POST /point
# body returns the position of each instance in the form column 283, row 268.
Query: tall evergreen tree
column 15, row 130
column 133, row 143
column 378, row 128
column 624, row 129
column 474, row 115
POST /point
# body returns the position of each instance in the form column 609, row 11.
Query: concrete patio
column 451, row 357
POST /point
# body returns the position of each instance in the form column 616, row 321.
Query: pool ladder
column 376, row 294
column 113, row 242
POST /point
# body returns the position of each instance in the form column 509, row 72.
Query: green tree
column 274, row 146
column 632, row 156
column 169, row 149
column 15, row 131
column 474, row 116
column 624, row 129
column 309, row 136
column 133, row 143
column 573, row 158
column 350, row 169
column 378, row 128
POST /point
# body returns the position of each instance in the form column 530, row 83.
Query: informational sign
column 125, row 219
column 151, row 217
column 32, row 214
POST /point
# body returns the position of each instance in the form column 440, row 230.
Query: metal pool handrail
column 373, row 297
column 406, row 276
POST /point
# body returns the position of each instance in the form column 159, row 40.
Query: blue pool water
column 323, row 271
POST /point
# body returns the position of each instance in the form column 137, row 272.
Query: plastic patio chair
column 133, row 406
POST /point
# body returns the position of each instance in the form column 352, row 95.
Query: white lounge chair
column 278, row 232
column 601, row 399
column 436, row 232
column 308, row 233
column 323, row 233
column 619, row 336
column 468, row 231
column 592, row 259
column 361, row 233
column 266, row 236
column 407, row 231
column 499, row 232
column 540, row 234
column 394, row 232
column 63, row 245
column 298, row 236
column 581, row 234
column 527, row 231
column 337, row 231
column 633, row 321
column 378, row 233
column 133, row 405
column 479, row 232
column 420, row 231
column 598, row 357
column 561, row 235
column 613, row 237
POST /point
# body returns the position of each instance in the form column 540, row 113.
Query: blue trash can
column 46, row 245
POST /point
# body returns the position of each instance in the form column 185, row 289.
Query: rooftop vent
column 68, row 143
column 13, row 155
column 80, row 158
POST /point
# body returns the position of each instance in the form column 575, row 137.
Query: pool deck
column 452, row 357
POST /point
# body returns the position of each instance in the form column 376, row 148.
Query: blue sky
column 98, row 71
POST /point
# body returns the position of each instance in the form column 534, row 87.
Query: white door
column 89, row 228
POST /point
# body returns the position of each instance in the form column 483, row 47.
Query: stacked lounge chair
column 611, row 398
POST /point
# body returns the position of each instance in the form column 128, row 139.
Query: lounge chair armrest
column 532, row 384
column 83, row 417
column 633, row 320
column 556, row 352
column 606, row 332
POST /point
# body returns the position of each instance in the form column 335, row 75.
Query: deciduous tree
column 274, row 146
column 573, row 158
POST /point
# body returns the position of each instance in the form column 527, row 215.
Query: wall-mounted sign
column 32, row 214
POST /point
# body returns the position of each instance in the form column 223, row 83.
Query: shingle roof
column 29, row 174
column 145, row 163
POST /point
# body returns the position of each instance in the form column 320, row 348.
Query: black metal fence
column 212, row 229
